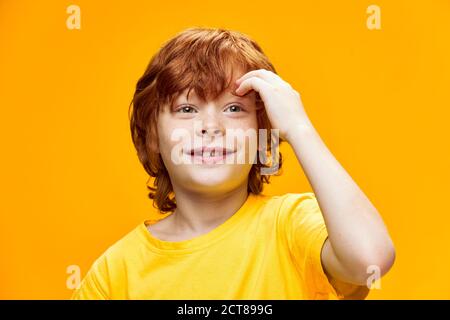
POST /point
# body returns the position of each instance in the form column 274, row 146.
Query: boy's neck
column 198, row 213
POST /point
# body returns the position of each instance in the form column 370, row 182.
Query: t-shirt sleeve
column 94, row 285
column 306, row 233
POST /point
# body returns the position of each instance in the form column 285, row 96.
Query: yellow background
column 71, row 183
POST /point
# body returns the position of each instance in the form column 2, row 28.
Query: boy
column 218, row 237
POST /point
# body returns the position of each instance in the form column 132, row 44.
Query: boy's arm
column 348, row 290
column 357, row 236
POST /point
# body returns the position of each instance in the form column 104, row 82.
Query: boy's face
column 190, row 129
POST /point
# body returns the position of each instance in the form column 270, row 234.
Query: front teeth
column 211, row 153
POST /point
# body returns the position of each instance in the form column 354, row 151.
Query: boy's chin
column 219, row 178
column 216, row 180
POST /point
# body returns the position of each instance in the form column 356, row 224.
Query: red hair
column 193, row 59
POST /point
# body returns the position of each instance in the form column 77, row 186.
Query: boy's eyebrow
column 229, row 95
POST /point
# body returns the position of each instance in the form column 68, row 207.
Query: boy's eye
column 234, row 108
column 186, row 109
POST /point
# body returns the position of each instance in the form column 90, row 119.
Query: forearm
column 357, row 234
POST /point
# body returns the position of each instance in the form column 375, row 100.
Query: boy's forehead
column 228, row 93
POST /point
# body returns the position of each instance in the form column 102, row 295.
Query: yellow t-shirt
column 269, row 249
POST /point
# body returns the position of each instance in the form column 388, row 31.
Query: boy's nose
column 211, row 125
column 211, row 131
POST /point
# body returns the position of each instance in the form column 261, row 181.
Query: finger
column 264, row 74
column 254, row 83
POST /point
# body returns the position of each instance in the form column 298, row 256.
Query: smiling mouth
column 209, row 155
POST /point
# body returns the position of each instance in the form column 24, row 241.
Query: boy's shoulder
column 290, row 200
column 284, row 207
column 110, row 267
column 127, row 246
column 290, row 207
column 290, row 196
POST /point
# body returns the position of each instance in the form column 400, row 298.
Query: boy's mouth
column 209, row 155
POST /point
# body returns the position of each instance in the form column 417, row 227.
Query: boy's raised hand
column 283, row 104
